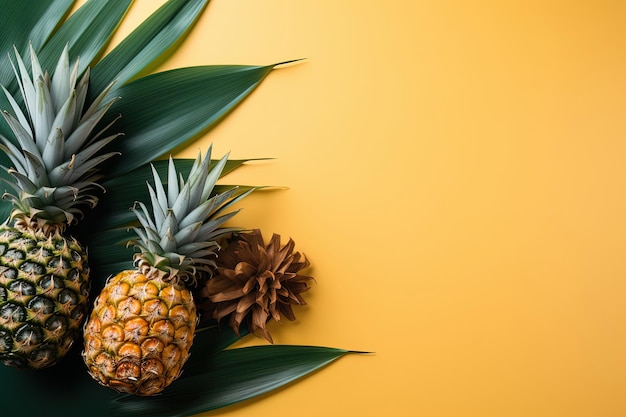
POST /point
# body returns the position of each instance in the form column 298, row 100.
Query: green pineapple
column 44, row 275
column 139, row 333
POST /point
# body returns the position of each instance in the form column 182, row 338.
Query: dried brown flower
column 255, row 282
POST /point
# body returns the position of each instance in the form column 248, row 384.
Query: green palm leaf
column 87, row 32
column 165, row 110
column 148, row 44
column 230, row 377
column 214, row 378
column 36, row 26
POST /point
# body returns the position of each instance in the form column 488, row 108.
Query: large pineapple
column 44, row 277
column 142, row 326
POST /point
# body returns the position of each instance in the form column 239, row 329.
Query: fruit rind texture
column 44, row 289
column 139, row 333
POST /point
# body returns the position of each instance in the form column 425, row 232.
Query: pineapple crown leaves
column 180, row 234
column 54, row 150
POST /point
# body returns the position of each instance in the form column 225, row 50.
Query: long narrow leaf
column 230, row 377
column 35, row 26
column 87, row 31
column 148, row 43
column 165, row 110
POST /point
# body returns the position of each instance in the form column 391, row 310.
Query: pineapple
column 44, row 275
column 141, row 328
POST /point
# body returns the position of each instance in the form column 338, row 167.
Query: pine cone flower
column 254, row 283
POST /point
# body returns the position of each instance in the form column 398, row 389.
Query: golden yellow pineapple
column 139, row 333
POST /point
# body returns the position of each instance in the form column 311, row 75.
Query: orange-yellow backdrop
column 456, row 176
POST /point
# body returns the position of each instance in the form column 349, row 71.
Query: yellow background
column 456, row 176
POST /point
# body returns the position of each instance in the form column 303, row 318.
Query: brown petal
column 245, row 270
column 283, row 258
column 250, row 284
column 275, row 313
column 233, row 293
column 245, row 303
column 287, row 311
column 222, row 310
column 259, row 317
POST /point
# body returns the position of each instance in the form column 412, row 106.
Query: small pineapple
column 139, row 333
column 44, row 276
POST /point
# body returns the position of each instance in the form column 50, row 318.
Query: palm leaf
column 36, row 26
column 230, row 377
column 87, row 31
column 148, row 43
column 214, row 378
column 165, row 110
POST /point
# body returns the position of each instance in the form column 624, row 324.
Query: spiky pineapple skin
column 44, row 290
column 139, row 333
